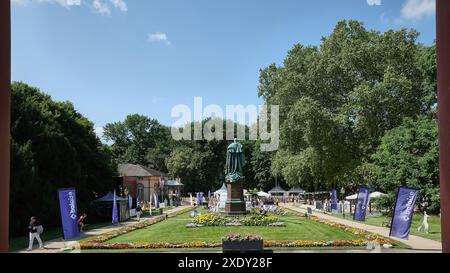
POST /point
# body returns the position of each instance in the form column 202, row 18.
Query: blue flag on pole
column 200, row 198
column 115, row 215
column 334, row 202
column 156, row 200
column 361, row 204
column 403, row 213
column 69, row 215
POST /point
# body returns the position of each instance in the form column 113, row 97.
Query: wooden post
column 5, row 121
column 443, row 77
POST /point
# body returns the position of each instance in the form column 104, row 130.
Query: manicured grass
column 174, row 230
column 434, row 223
column 19, row 243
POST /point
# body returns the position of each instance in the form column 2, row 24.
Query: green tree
column 53, row 146
column 339, row 99
column 139, row 140
column 409, row 156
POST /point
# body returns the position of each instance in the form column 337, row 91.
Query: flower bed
column 211, row 219
column 267, row 244
column 99, row 242
column 259, row 220
column 239, row 243
column 369, row 236
column 239, row 238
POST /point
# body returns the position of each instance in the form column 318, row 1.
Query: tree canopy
column 339, row 99
column 53, row 146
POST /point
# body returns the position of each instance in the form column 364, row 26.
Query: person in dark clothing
column 81, row 221
column 138, row 212
column 35, row 230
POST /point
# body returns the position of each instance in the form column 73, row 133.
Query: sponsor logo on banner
column 361, row 204
column 403, row 213
column 69, row 215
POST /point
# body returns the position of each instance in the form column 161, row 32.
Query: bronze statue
column 234, row 177
column 234, row 171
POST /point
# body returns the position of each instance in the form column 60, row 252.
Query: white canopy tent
column 221, row 196
column 377, row 194
column 263, row 194
column 352, row 197
column 277, row 191
column 373, row 195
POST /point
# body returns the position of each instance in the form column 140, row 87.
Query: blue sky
column 117, row 57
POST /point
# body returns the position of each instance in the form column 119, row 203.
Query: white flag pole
column 150, row 203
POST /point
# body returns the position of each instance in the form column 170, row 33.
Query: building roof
column 136, row 170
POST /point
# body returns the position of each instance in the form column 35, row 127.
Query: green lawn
column 174, row 230
column 434, row 223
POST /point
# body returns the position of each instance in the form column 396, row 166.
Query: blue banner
column 115, row 215
column 361, row 204
column 403, row 213
column 200, row 198
column 69, row 215
column 156, row 201
column 334, row 201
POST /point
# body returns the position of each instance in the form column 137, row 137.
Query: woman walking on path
column 35, row 230
column 81, row 221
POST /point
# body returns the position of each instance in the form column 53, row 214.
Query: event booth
column 104, row 205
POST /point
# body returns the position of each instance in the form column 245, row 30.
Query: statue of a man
column 234, row 171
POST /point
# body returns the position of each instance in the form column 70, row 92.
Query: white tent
column 277, row 191
column 377, row 194
column 221, row 195
column 373, row 195
column 263, row 194
column 352, row 197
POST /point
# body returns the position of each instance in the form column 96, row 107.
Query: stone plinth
column 235, row 204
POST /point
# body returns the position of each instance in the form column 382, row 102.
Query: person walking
column 81, row 221
column 424, row 224
column 35, row 230
column 138, row 212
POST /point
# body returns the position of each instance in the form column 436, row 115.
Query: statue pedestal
column 235, row 204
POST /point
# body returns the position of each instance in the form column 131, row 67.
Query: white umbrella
column 352, row 197
column 263, row 194
column 373, row 195
column 377, row 194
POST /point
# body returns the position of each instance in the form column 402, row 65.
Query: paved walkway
column 58, row 245
column 415, row 242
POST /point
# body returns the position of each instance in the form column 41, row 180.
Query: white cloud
column 159, row 37
column 418, row 9
column 64, row 3
column 99, row 131
column 373, row 2
column 120, row 4
column 103, row 7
